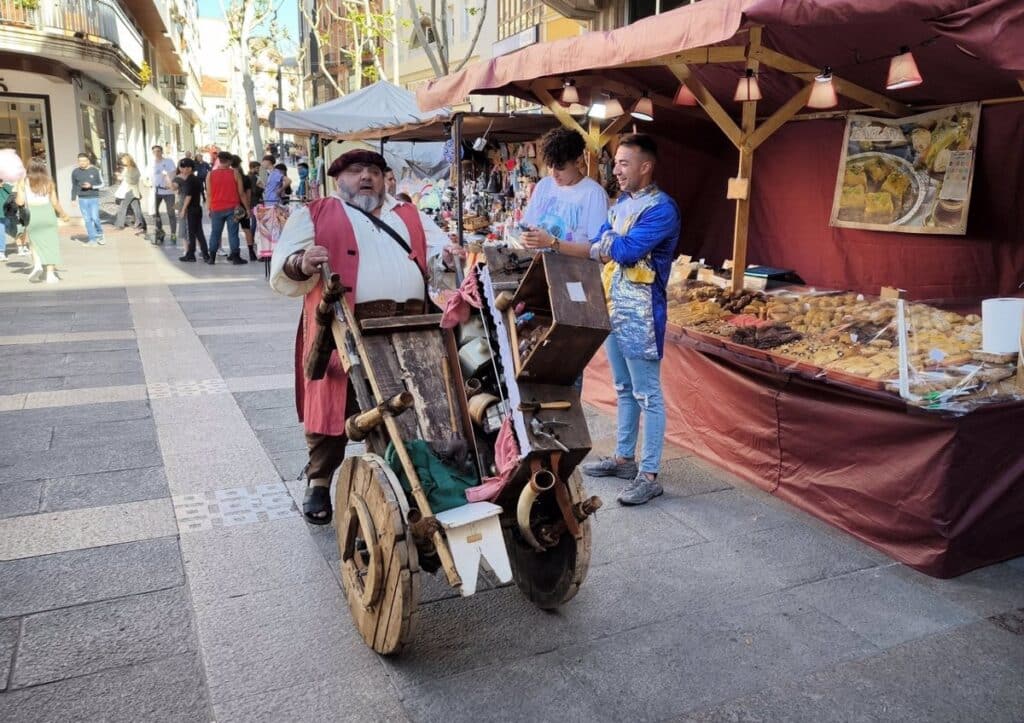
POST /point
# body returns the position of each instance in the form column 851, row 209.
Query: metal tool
column 540, row 429
column 538, row 406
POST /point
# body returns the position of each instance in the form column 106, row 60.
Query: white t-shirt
column 569, row 213
column 156, row 174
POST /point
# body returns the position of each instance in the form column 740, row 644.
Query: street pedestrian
column 130, row 193
column 227, row 206
column 270, row 180
column 343, row 229
column 192, row 210
column 159, row 175
column 254, row 183
column 38, row 191
column 246, row 222
column 284, row 193
column 202, row 169
column 12, row 170
column 636, row 244
column 86, row 183
column 303, row 189
column 181, row 226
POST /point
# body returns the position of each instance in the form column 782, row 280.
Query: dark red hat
column 365, row 157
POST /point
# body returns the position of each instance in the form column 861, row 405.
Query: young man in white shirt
column 159, row 174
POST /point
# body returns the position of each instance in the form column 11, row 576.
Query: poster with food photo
column 909, row 175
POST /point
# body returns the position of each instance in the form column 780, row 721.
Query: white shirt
column 570, row 213
column 156, row 175
column 385, row 269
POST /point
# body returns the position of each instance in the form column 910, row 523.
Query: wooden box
column 570, row 322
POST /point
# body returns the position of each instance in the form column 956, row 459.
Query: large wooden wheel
column 551, row 578
column 379, row 565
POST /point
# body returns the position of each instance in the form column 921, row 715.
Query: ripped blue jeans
column 638, row 387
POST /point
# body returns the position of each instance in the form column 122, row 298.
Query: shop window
column 25, row 126
column 644, row 8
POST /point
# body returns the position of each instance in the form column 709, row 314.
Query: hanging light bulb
column 747, row 89
column 643, row 109
column 823, row 94
column 569, row 93
column 685, row 96
column 613, row 107
column 903, row 72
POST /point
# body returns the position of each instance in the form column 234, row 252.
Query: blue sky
column 287, row 14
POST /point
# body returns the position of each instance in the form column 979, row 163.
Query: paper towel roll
column 1001, row 324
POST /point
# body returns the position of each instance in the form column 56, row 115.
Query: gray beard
column 369, row 204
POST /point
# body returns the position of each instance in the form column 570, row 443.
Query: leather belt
column 384, row 307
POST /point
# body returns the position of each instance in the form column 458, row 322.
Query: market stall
column 932, row 475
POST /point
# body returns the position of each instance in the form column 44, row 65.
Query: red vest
column 321, row 403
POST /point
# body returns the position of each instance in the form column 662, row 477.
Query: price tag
column 576, row 292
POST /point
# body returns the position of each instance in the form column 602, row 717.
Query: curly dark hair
column 561, row 145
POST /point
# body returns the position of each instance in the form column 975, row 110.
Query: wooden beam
column 614, row 127
column 793, row 66
column 594, row 150
column 707, row 101
column 696, row 56
column 1020, row 82
column 746, row 165
column 561, row 113
column 778, row 118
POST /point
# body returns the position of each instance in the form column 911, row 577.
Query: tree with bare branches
column 432, row 32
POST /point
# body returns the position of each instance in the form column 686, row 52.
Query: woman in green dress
column 39, row 192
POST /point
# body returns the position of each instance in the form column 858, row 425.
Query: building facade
column 102, row 76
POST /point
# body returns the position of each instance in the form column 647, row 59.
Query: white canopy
column 358, row 115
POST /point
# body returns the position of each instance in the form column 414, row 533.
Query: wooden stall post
column 748, row 125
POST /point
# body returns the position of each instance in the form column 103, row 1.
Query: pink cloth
column 467, row 297
column 269, row 222
column 506, row 458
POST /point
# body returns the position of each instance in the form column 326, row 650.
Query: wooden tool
column 538, row 406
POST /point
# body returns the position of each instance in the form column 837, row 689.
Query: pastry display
column 849, row 336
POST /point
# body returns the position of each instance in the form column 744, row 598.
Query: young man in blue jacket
column 636, row 245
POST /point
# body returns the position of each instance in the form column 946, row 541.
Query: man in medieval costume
column 380, row 247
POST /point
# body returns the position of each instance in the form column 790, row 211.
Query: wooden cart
column 410, row 385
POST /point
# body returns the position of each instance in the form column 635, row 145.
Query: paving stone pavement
column 154, row 565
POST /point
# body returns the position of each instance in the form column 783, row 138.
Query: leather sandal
column 316, row 501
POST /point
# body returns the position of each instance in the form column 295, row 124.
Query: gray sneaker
column 640, row 490
column 608, row 467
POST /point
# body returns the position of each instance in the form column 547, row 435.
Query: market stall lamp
column 747, row 89
column 823, row 94
column 613, row 108
column 685, row 96
column 643, row 109
column 604, row 106
column 569, row 93
column 903, row 72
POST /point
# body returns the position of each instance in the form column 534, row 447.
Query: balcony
column 100, row 22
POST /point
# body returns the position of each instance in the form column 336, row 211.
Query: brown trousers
column 326, row 452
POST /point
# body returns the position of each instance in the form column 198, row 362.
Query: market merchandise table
column 943, row 494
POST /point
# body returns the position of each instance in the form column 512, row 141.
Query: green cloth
column 445, row 488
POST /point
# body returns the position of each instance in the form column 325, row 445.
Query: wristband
column 555, row 243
